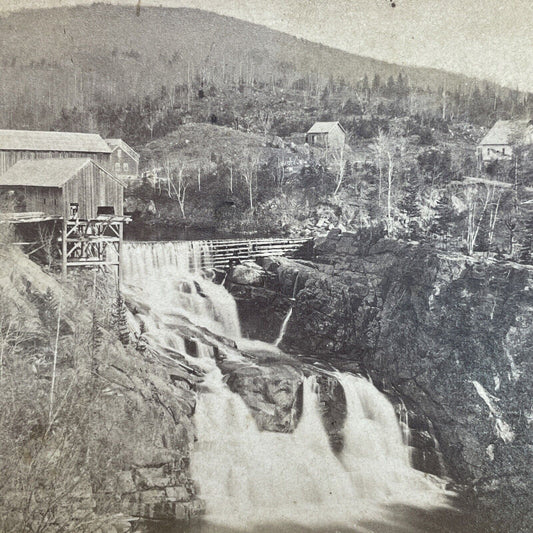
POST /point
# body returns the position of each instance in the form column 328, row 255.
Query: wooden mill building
column 65, row 177
column 74, row 189
column 20, row 144
column 124, row 161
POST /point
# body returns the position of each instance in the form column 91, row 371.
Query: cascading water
column 283, row 329
column 250, row 477
column 166, row 277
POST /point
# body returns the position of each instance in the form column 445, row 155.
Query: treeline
column 364, row 108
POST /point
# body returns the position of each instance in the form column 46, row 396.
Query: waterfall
column 284, row 325
column 285, row 322
column 250, row 477
column 167, row 277
column 254, row 478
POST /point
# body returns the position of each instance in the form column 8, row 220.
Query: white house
column 498, row 143
column 326, row 134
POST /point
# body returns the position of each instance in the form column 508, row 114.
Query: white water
column 250, row 477
column 166, row 277
column 283, row 329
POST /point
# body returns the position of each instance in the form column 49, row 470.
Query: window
column 125, row 167
column 105, row 210
column 117, row 167
column 74, row 210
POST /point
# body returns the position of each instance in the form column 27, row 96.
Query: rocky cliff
column 449, row 334
column 110, row 445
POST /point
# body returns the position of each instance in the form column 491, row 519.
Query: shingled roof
column 56, row 141
column 507, row 132
column 324, row 127
column 119, row 143
column 46, row 172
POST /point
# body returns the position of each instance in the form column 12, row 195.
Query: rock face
column 450, row 333
column 271, row 394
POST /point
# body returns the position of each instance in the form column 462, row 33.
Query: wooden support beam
column 64, row 257
column 92, row 263
column 119, row 266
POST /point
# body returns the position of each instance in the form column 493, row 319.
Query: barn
column 21, row 144
column 502, row 139
column 326, row 134
column 70, row 188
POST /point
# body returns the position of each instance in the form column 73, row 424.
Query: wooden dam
column 222, row 253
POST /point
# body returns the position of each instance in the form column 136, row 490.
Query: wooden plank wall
column 44, row 199
column 92, row 188
column 9, row 157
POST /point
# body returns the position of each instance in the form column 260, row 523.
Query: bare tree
column 339, row 159
column 179, row 183
column 265, row 120
column 389, row 148
column 378, row 147
column 47, row 244
column 248, row 169
column 477, row 205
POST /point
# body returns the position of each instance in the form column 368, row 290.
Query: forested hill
column 61, row 58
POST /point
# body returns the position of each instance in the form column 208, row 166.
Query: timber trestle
column 96, row 242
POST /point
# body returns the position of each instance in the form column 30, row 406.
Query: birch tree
column 388, row 148
column 339, row 160
column 249, row 167
column 477, row 205
column 177, row 184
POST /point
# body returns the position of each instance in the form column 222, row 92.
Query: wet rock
column 451, row 334
column 270, row 392
column 148, row 478
column 248, row 273
column 178, row 494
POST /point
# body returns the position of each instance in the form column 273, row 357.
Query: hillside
column 86, row 55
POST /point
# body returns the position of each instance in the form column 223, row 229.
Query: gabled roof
column 506, row 132
column 46, row 172
column 119, row 143
column 325, row 127
column 58, row 141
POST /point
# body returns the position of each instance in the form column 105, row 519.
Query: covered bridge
column 21, row 144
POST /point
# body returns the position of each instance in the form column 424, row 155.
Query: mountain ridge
column 84, row 56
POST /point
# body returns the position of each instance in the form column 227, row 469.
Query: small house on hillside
column 499, row 142
column 69, row 188
column 124, row 161
column 326, row 134
column 21, row 144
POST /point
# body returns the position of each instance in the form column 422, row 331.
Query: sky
column 490, row 39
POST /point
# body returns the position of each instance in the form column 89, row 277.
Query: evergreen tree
column 526, row 248
column 120, row 320
column 411, row 208
column 443, row 218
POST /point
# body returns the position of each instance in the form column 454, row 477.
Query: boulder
column 248, row 273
